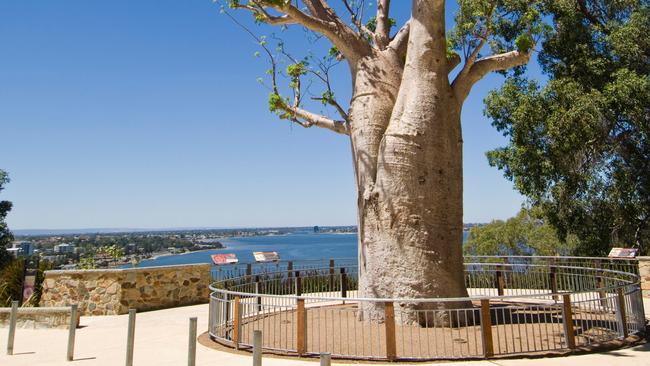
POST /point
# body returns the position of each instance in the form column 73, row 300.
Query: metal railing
column 629, row 265
column 525, row 306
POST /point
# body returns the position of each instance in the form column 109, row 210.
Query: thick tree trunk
column 412, row 221
column 411, row 203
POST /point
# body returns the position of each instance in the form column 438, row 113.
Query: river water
column 295, row 246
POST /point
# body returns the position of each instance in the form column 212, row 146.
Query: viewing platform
column 161, row 340
column 271, row 296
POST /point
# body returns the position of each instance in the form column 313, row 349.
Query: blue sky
column 147, row 114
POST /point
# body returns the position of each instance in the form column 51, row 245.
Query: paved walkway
column 161, row 339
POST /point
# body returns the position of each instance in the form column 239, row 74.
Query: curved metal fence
column 517, row 305
column 222, row 272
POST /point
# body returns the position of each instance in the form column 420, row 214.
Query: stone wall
column 114, row 291
column 34, row 318
column 644, row 273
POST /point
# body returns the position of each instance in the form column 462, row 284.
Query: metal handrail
column 564, row 303
column 429, row 300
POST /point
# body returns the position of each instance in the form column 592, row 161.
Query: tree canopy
column 5, row 235
column 525, row 234
column 578, row 145
column 488, row 35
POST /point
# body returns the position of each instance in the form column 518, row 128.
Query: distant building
column 131, row 248
column 16, row 252
column 64, row 248
column 22, row 249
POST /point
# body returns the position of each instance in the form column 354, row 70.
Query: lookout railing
column 516, row 305
column 630, row 265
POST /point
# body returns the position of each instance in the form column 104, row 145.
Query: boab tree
column 403, row 122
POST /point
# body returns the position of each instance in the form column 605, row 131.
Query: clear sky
column 147, row 114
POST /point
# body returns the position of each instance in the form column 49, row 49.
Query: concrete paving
column 161, row 338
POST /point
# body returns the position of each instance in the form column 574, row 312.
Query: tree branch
column 308, row 119
column 295, row 113
column 464, row 81
column 400, row 42
column 322, row 19
column 382, row 32
column 452, row 62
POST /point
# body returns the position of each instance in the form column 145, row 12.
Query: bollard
column 12, row 327
column 191, row 346
column 130, row 337
column 325, row 359
column 71, row 332
column 257, row 348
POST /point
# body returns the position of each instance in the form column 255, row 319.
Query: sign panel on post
column 623, row 253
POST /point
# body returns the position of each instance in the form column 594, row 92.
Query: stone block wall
column 115, row 291
column 34, row 318
column 644, row 273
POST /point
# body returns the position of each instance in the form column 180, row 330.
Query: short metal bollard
column 12, row 327
column 130, row 337
column 72, row 332
column 325, row 359
column 257, row 348
column 191, row 348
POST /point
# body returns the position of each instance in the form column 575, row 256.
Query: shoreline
column 167, row 253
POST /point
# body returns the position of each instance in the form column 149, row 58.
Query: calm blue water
column 289, row 247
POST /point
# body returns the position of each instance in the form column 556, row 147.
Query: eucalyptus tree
column 403, row 120
column 579, row 145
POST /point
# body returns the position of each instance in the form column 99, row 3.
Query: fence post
column 226, row 308
column 249, row 270
column 620, row 312
column 236, row 327
column 486, row 329
column 601, row 294
column 130, row 338
column 325, row 359
column 257, row 291
column 552, row 279
column 257, row 348
column 500, row 285
column 72, row 332
column 13, row 317
column 298, row 284
column 191, row 346
column 301, row 327
column 389, row 322
column 331, row 274
column 290, row 268
column 567, row 319
column 640, row 311
column 344, row 283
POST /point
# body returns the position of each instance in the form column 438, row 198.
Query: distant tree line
column 11, row 268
